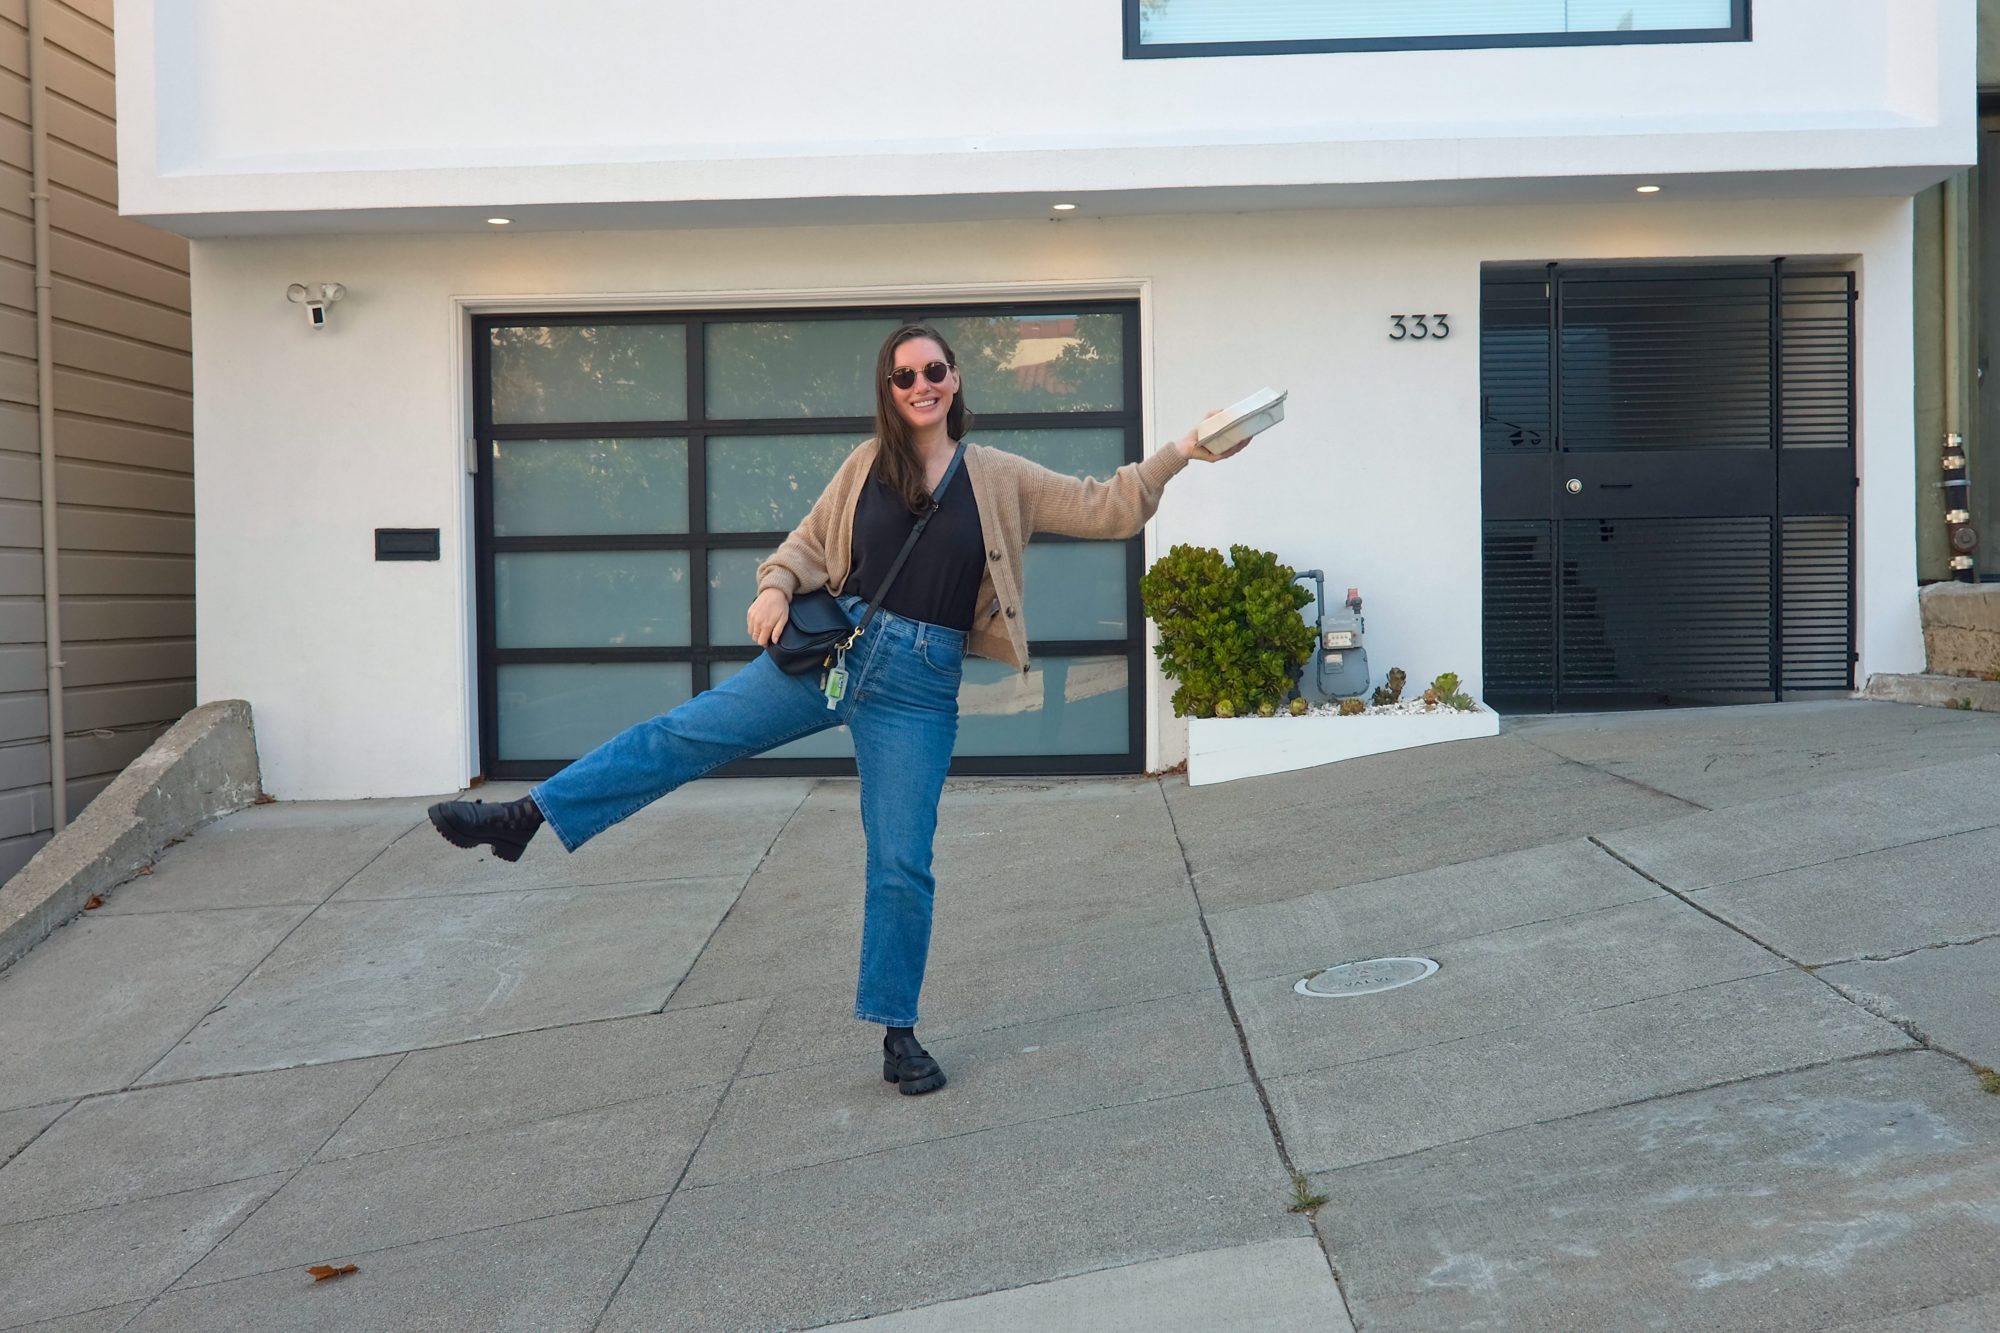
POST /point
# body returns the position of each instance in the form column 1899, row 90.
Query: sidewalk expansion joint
column 1646, row 787
column 174, row 1289
column 1647, row 1100
column 1832, row 860
column 886, row 1149
column 1250, row 1061
column 272, row 951
column 290, row 1176
column 73, row 1104
column 942, row 1039
column 1906, row 953
column 1851, row 996
column 729, row 911
column 714, row 1114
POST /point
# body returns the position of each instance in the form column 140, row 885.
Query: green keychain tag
column 836, row 686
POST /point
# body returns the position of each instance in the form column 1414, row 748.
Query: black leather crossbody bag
column 817, row 630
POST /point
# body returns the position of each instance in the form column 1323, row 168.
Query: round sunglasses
column 904, row 376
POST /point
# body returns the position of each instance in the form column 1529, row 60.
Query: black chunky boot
column 507, row 825
column 908, row 1065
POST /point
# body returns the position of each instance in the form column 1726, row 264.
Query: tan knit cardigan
column 1017, row 498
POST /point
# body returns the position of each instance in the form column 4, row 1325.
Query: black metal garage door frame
column 697, row 428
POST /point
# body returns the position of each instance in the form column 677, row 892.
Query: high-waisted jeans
column 901, row 707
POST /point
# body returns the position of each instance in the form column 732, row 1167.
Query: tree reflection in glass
column 587, row 372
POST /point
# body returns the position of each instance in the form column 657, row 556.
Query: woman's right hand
column 767, row 616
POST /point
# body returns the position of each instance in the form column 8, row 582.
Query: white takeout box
column 1219, row 432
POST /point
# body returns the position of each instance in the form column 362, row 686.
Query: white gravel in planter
column 1406, row 708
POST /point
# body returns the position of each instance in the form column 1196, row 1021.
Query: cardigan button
column 1010, row 613
column 993, row 555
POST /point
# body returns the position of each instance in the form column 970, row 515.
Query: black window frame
column 1736, row 30
column 698, row 540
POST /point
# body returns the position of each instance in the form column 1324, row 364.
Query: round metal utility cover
column 1366, row 978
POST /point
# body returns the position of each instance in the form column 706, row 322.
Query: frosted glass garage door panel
column 767, row 483
column 1076, row 590
column 563, row 711
column 1039, row 363
column 591, row 599
column 570, row 488
column 1060, row 705
column 732, row 586
column 785, row 369
column 1080, row 453
column 834, row 743
column 588, row 372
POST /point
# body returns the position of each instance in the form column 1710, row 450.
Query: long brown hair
column 896, row 461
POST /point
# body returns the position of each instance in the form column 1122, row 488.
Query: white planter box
column 1224, row 748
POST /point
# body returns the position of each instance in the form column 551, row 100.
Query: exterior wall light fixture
column 499, row 222
column 1649, row 189
column 317, row 298
column 1063, row 208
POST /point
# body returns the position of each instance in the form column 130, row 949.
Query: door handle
column 1614, row 485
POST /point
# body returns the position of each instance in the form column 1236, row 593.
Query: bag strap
column 916, row 531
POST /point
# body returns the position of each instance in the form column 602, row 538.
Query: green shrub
column 1230, row 632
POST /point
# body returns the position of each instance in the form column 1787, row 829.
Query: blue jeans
column 901, row 707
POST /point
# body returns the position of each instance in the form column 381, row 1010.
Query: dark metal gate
column 1667, row 483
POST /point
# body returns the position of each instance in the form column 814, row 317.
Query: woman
column 959, row 592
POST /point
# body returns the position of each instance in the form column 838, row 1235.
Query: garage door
column 635, row 469
column 1668, row 484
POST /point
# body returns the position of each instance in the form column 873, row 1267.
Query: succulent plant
column 1446, row 692
column 1393, row 691
column 1224, row 708
column 1300, row 708
column 1352, row 707
column 1267, row 709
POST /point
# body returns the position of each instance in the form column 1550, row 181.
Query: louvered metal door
column 1668, row 484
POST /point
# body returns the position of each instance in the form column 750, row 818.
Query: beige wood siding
column 125, row 456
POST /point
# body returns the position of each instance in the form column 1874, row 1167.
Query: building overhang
column 294, row 205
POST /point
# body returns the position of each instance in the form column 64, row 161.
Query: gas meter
column 1339, row 665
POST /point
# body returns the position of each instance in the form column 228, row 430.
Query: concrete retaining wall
column 1962, row 628
column 205, row 766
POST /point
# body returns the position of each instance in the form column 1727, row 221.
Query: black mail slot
column 406, row 543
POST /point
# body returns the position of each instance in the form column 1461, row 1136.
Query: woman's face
column 923, row 404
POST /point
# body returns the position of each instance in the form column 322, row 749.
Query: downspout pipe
column 45, row 403
column 1962, row 539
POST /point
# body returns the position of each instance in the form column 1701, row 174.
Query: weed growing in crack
column 1303, row 1198
column 1988, row 1079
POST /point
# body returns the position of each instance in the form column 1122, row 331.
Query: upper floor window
column 1276, row 27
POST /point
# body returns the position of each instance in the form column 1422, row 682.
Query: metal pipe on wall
column 45, row 395
column 1957, row 219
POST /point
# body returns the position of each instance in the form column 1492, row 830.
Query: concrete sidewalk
column 1700, row 1054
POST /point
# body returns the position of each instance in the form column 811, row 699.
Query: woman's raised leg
column 757, row 709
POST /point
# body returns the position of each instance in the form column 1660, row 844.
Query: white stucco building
column 606, row 405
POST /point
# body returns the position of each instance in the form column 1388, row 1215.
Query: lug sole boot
column 506, row 827
column 910, row 1067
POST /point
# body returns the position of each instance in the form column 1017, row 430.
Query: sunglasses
column 904, row 376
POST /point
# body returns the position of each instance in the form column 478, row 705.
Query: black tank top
column 940, row 581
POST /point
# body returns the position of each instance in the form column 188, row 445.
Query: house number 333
column 1405, row 327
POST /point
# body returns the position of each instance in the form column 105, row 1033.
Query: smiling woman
column 911, row 559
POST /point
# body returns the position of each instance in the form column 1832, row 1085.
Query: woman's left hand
column 1189, row 449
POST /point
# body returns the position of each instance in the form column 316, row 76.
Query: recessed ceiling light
column 1063, row 208
column 499, row 222
column 1649, row 189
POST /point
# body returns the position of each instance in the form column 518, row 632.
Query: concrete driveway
column 1702, row 1051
